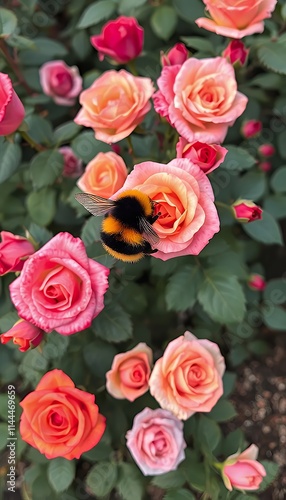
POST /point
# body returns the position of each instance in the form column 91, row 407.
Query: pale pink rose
column 176, row 55
column 61, row 82
column 60, row 288
column 242, row 471
column 156, row 441
column 200, row 98
column 23, row 334
column 236, row 18
column 115, row 104
column 14, row 250
column 207, row 156
column 184, row 197
column 256, row 282
column 188, row 378
column 130, row 372
column 12, row 111
column 104, row 175
column 72, row 164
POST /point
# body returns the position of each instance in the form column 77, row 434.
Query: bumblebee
column 126, row 232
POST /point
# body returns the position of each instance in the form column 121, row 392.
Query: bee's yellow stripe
column 111, row 225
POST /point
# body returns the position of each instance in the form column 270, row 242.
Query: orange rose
column 60, row 420
column 104, row 175
column 130, row 372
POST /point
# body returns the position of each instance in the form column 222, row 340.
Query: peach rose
column 104, row 175
column 60, row 420
column 242, row 471
column 184, row 197
column 188, row 378
column 200, row 98
column 207, row 156
column 115, row 104
column 130, row 372
column 63, row 83
column 236, row 18
column 156, row 441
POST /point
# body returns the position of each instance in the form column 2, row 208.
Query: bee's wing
column 148, row 232
column 96, row 205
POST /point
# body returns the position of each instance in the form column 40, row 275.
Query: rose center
column 57, row 419
column 62, row 83
column 195, row 374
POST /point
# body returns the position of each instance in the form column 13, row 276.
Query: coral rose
column 207, row 156
column 104, row 175
column 115, row 104
column 61, row 82
column 156, row 441
column 12, row 111
column 72, row 164
column 130, row 372
column 188, row 378
column 184, row 198
column 121, row 40
column 60, row 288
column 200, row 98
column 236, row 18
column 60, row 420
column 242, row 471
column 23, row 334
column 14, row 250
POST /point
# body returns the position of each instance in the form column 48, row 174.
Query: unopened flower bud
column 251, row 128
column 256, row 282
column 246, row 211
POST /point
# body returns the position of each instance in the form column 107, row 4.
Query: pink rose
column 121, row 40
column 265, row 166
column 246, row 211
column 115, row 104
column 242, row 471
column 72, row 164
column 23, row 334
column 12, row 111
column 256, row 282
column 207, row 156
column 266, row 150
column 104, row 175
column 236, row 53
column 60, row 288
column 63, row 83
column 176, row 55
column 14, row 250
column 130, row 372
column 188, row 378
column 184, row 196
column 251, row 128
column 200, row 98
column 236, row 18
column 156, row 441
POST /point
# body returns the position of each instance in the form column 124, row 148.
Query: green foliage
column 10, row 159
column 45, row 168
column 164, row 21
column 130, row 483
column 97, row 12
column 102, row 478
column 266, row 231
column 182, row 289
column 271, row 54
column 113, row 324
column 61, row 474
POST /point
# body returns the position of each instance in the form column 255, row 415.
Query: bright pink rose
column 72, row 164
column 23, row 334
column 236, row 18
column 12, row 111
column 121, row 40
column 130, row 372
column 200, row 98
column 176, row 55
column 115, row 104
column 104, row 175
column 246, row 211
column 14, row 250
column 265, row 166
column 257, row 282
column 63, row 83
column 251, row 128
column 188, row 378
column 156, row 441
column 207, row 156
column 242, row 471
column 184, row 197
column 60, row 288
column 236, row 53
column 266, row 150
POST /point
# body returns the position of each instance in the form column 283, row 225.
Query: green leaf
column 65, row 132
column 98, row 356
column 223, row 411
column 91, row 230
column 281, row 141
column 96, row 12
column 61, row 473
column 127, row 7
column 45, row 168
column 276, row 206
column 272, row 55
column 275, row 292
column 232, row 443
column 180, row 494
column 86, row 147
column 221, row 296
column 266, row 231
column 3, row 435
column 10, row 154
column 96, row 251
column 237, row 159
column 164, row 21
column 7, row 321
column 40, row 129
column 102, row 451
column 20, row 42
column 185, row 12
column 39, row 234
column 133, row 298
column 113, row 324
column 130, row 482
column 182, row 288
column 272, row 471
column 229, row 380
column 278, row 180
column 42, row 206
column 44, row 50
column 163, row 268
column 55, row 346
column 215, row 247
column 8, row 22
column 274, row 317
column 209, row 434
column 194, row 471
column 198, row 43
column 172, row 479
column 238, row 354
column 250, row 186
column 102, row 478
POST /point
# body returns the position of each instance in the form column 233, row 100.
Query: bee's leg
column 153, row 251
column 148, row 249
column 153, row 218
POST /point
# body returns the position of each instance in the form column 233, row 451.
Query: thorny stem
column 14, row 66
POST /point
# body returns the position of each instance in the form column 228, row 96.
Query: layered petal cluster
column 24, row 334
column 14, row 250
column 207, row 156
column 242, row 471
column 61, row 82
column 12, row 111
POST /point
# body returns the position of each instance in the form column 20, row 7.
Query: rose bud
column 256, row 282
column 23, row 334
column 251, row 128
column 246, row 211
column 242, row 471
column 72, row 164
column 207, row 156
column 12, row 111
column 266, row 150
column 177, row 55
column 265, row 166
column 14, row 250
column 236, row 53
column 121, row 40
column 61, row 82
